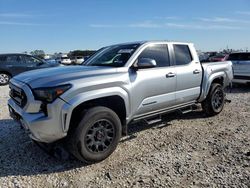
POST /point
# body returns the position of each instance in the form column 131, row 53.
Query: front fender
column 90, row 95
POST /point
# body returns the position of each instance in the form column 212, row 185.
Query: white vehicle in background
column 64, row 59
column 241, row 67
column 77, row 60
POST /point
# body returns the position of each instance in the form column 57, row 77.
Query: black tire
column 4, row 79
column 215, row 100
column 96, row 136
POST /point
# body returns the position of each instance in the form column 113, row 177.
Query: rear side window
column 246, row 57
column 2, row 59
column 233, row 57
column 239, row 57
column 13, row 58
column 158, row 52
column 182, row 54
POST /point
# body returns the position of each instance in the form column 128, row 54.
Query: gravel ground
column 188, row 150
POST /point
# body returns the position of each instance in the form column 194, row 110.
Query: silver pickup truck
column 90, row 106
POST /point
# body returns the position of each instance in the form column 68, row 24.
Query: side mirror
column 144, row 63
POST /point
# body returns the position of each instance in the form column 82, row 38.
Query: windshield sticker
column 125, row 51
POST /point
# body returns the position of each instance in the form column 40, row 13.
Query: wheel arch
column 218, row 77
column 115, row 102
column 6, row 72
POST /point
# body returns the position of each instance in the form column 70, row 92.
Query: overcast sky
column 61, row 26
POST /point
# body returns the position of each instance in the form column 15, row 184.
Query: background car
column 241, row 66
column 64, row 59
column 77, row 60
column 13, row 64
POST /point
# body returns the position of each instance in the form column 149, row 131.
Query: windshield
column 114, row 56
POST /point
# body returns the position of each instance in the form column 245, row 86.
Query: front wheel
column 96, row 136
column 215, row 100
column 4, row 79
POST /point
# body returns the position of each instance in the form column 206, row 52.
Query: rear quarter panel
column 212, row 71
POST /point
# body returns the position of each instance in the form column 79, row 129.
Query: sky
column 61, row 26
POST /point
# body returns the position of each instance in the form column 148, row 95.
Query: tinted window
column 159, row 53
column 13, row 58
column 3, row 59
column 32, row 60
column 64, row 58
column 182, row 55
column 239, row 57
column 233, row 57
column 246, row 57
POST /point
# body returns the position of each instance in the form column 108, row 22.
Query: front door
column 153, row 89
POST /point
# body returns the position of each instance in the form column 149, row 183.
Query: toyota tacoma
column 90, row 106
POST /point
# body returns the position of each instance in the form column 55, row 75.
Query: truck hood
column 60, row 75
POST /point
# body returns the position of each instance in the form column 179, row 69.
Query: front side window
column 113, row 56
column 158, row 52
column 182, row 54
column 32, row 60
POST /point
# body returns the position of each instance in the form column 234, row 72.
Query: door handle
column 170, row 75
column 196, row 71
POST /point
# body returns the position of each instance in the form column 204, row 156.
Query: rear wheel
column 96, row 136
column 215, row 100
column 4, row 79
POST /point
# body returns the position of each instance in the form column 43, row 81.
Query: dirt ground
column 188, row 150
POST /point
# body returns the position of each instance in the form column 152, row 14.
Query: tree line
column 83, row 53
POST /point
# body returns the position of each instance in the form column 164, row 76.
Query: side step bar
column 186, row 110
column 154, row 120
column 158, row 118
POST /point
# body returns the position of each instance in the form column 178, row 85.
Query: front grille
column 18, row 95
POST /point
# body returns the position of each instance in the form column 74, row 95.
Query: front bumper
column 41, row 127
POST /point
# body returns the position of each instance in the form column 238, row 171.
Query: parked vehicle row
column 10, row 67
column 65, row 60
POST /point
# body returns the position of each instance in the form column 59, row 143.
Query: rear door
column 189, row 73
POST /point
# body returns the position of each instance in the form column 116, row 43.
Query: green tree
column 38, row 53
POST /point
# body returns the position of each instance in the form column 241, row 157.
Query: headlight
column 50, row 94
